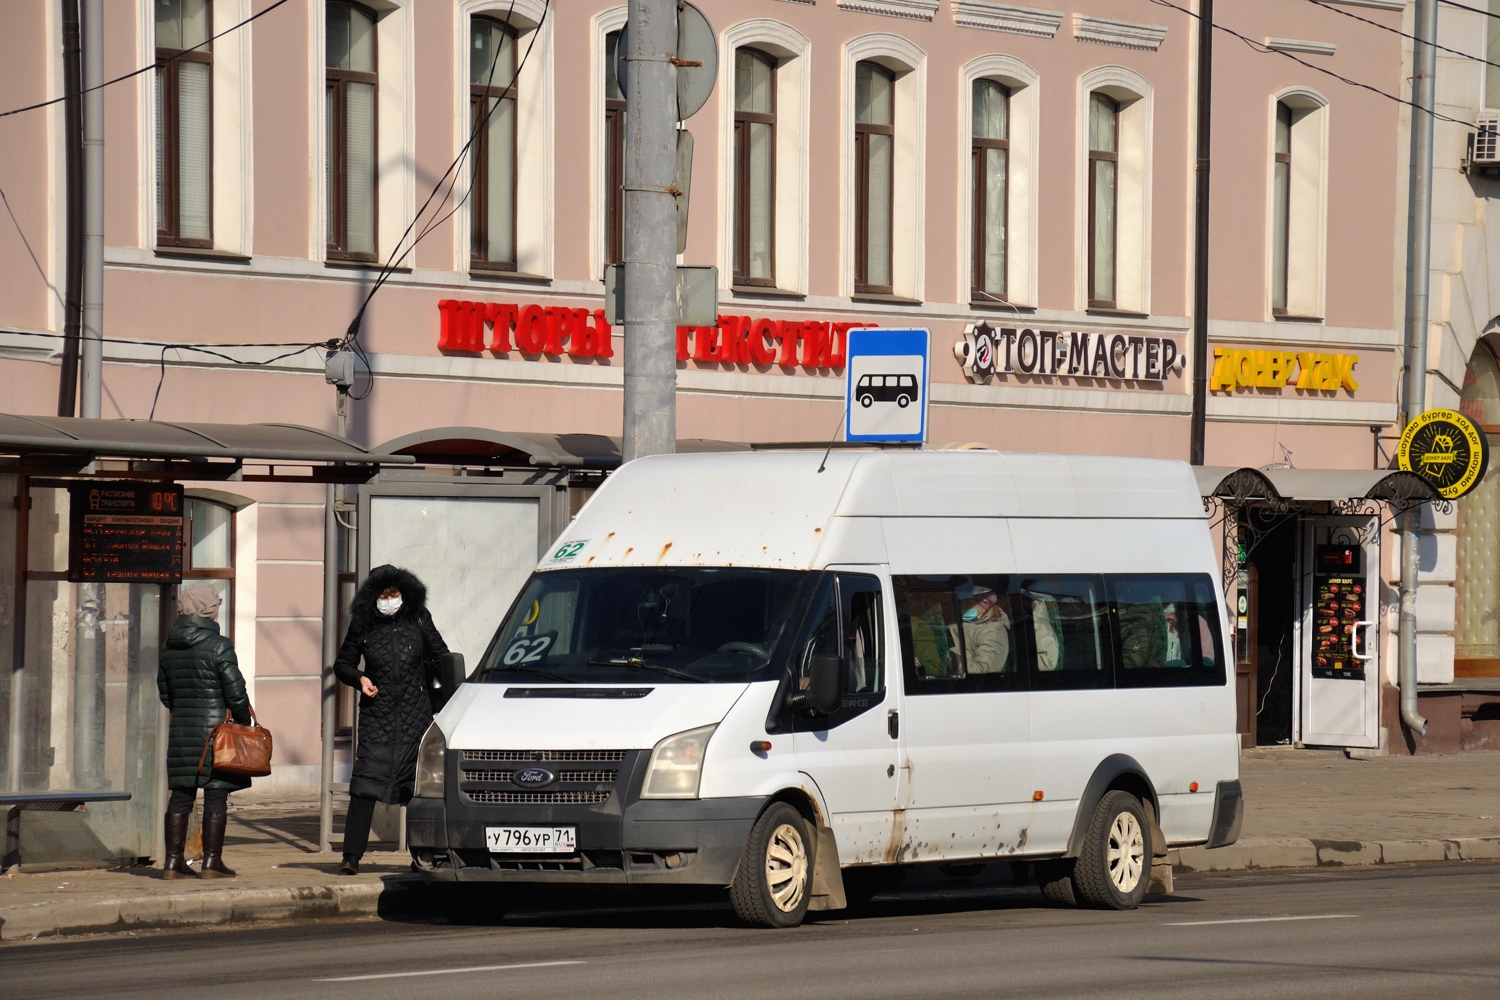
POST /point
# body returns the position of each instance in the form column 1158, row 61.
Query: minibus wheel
column 1114, row 865
column 771, row 885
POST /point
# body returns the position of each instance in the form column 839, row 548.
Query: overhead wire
column 449, row 177
column 165, row 346
column 1263, row 48
column 146, row 69
column 1404, row 34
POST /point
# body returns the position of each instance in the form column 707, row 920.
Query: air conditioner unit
column 1484, row 144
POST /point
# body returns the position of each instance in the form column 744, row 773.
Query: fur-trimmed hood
column 362, row 613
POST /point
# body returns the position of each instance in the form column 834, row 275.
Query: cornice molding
column 912, row 10
column 1013, row 18
column 1121, row 34
column 1302, row 45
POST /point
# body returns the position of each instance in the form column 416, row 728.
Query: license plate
column 531, row 839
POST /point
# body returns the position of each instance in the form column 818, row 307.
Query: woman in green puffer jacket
column 198, row 679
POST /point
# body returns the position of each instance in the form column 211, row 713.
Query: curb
column 406, row 894
column 1294, row 852
column 209, row 908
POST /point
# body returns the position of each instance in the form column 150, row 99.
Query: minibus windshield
column 675, row 625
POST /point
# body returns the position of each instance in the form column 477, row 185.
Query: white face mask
column 388, row 605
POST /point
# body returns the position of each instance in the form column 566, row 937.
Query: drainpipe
column 67, row 385
column 1200, row 233
column 93, row 209
column 1418, row 276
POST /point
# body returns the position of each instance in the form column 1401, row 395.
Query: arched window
column 754, row 167
column 1297, row 231
column 1103, row 195
column 614, row 145
column 208, row 553
column 990, row 151
column 1281, row 206
column 350, row 122
column 492, row 103
column 1476, row 637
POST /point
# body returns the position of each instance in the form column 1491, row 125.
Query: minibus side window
column 960, row 634
column 845, row 622
column 1068, row 622
column 1168, row 631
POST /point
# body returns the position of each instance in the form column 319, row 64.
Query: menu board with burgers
column 1339, row 602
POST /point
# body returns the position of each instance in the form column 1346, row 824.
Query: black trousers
column 215, row 800
column 357, row 825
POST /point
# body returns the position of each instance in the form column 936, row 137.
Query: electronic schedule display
column 125, row 533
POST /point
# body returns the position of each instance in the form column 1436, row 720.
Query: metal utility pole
column 93, row 211
column 650, row 230
column 1200, row 231
column 67, row 384
column 1414, row 386
column 330, row 640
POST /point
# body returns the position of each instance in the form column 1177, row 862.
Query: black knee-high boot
column 173, row 865
column 213, row 845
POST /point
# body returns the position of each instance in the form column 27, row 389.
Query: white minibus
column 794, row 674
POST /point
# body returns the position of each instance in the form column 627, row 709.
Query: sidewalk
column 1303, row 809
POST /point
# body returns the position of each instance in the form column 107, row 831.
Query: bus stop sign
column 885, row 391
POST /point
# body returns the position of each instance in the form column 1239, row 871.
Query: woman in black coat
column 390, row 628
column 198, row 678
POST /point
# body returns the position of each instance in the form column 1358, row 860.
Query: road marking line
column 447, row 972
column 1264, row 920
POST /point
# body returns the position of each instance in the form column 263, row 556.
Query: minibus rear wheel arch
column 1116, row 772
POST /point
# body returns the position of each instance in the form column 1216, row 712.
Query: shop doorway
column 1270, row 541
column 1338, row 676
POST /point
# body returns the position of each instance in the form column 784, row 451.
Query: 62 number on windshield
column 527, row 649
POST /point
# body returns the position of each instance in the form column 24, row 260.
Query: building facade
column 947, row 164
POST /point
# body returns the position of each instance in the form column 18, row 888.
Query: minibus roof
column 776, row 509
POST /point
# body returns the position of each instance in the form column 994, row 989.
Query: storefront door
column 1338, row 689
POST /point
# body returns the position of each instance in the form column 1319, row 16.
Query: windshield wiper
column 663, row 669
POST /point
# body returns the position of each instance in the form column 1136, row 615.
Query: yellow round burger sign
column 1445, row 448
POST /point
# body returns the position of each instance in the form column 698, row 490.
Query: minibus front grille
column 550, row 798
column 544, row 756
column 584, row 777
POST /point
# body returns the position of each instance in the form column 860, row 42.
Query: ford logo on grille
column 534, row 777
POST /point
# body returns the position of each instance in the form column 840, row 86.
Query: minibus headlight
column 431, row 759
column 677, row 765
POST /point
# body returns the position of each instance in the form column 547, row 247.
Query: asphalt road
column 1421, row 931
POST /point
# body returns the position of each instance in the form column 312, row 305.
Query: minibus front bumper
column 624, row 841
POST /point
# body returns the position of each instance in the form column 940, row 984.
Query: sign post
column 886, row 385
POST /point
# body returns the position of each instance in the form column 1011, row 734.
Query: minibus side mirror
column 824, row 686
column 450, row 674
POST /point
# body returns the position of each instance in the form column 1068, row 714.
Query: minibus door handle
column 893, row 723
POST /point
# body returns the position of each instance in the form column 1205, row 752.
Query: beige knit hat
column 200, row 600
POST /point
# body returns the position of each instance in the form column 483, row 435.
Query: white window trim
column 793, row 141
column 534, row 133
column 1024, row 178
column 396, row 127
column 1133, row 192
column 908, row 218
column 233, row 169
column 604, row 22
column 1307, row 237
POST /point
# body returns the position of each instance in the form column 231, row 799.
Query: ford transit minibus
column 792, row 676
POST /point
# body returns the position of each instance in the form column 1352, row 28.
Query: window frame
column 337, row 201
column 479, row 95
column 742, row 119
column 1281, row 181
column 979, row 201
column 839, row 588
column 169, row 135
column 192, row 574
column 614, row 159
column 1096, row 157
column 862, row 132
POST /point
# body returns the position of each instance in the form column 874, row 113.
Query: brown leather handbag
column 243, row 751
